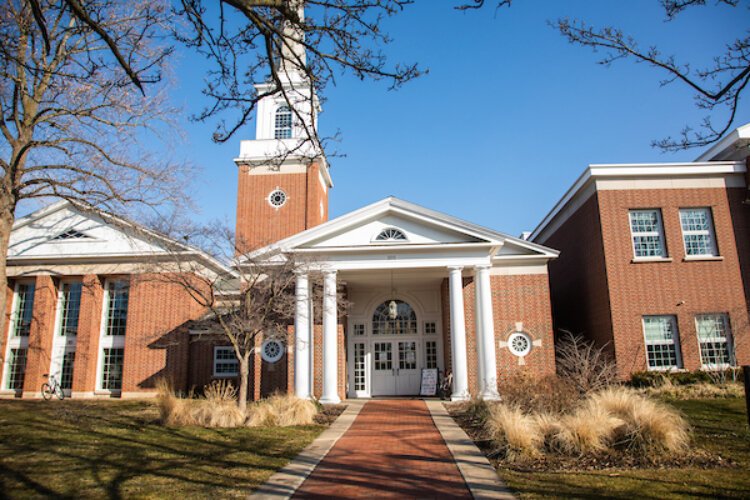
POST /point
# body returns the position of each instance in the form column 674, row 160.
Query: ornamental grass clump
column 281, row 410
column 590, row 429
column 514, row 432
column 217, row 407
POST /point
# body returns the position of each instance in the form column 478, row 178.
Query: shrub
column 700, row 390
column 589, row 429
column 514, row 432
column 655, row 379
column 550, row 394
column 281, row 410
column 581, row 363
column 650, row 426
column 217, row 407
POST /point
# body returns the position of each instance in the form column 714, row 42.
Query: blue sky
column 507, row 118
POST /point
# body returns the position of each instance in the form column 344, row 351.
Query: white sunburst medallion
column 520, row 343
column 391, row 234
column 271, row 351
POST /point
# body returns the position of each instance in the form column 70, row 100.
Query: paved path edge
column 289, row 478
column 480, row 477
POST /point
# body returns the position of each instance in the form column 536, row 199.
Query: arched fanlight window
column 283, row 123
column 391, row 234
column 394, row 317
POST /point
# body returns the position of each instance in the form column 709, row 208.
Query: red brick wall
column 639, row 289
column 259, row 224
column 156, row 343
column 515, row 298
column 89, row 329
column 578, row 280
column 40, row 337
column 740, row 211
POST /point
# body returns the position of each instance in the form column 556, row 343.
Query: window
column 407, row 355
column 112, row 369
column 24, row 309
column 225, row 362
column 647, row 231
column 283, row 123
column 70, row 308
column 391, row 234
column 66, row 375
column 385, row 322
column 277, row 198
column 662, row 342
column 698, row 231
column 117, row 308
column 430, row 354
column 16, row 368
column 359, row 329
column 71, row 234
column 430, row 328
column 715, row 340
column 359, row 367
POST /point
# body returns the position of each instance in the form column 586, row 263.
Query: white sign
column 429, row 382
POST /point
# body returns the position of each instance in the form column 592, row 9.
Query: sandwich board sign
column 429, row 382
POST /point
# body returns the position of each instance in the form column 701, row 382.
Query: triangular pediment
column 64, row 230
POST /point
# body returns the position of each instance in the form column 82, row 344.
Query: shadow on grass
column 118, row 449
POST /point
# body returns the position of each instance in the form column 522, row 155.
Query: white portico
column 394, row 259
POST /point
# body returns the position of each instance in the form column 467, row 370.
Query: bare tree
column 253, row 304
column 718, row 87
column 72, row 125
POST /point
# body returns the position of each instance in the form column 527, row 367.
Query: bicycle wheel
column 46, row 391
column 59, row 392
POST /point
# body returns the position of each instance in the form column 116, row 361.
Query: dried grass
column 514, row 432
column 281, row 410
column 703, row 390
column 590, row 429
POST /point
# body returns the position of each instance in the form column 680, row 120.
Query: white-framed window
column 662, row 342
column 112, row 365
column 647, row 233
column 23, row 311
column 118, row 295
column 16, row 368
column 283, row 123
column 359, row 329
column 17, row 345
column 225, row 362
column 391, row 234
column 430, row 328
column 431, row 354
column 715, row 340
column 359, row 366
column 698, row 232
column 70, row 308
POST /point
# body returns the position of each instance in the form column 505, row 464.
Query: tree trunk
column 244, row 376
column 7, row 217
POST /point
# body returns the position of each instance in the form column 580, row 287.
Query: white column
column 302, row 340
column 330, row 340
column 458, row 336
column 489, row 386
column 478, row 328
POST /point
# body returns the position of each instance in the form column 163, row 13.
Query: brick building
column 655, row 259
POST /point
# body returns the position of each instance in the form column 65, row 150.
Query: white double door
column 395, row 369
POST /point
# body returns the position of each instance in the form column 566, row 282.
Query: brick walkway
column 392, row 449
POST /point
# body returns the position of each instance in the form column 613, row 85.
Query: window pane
column 359, row 367
column 66, row 377
column 662, row 341
column 405, row 321
column 117, row 311
column 715, row 340
column 645, row 226
column 694, row 219
column 697, row 231
column 283, row 123
column 407, row 355
column 24, row 312
column 70, row 308
column 431, row 354
column 225, row 361
column 112, row 369
column 17, row 368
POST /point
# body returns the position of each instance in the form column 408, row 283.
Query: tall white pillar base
column 458, row 336
column 330, row 340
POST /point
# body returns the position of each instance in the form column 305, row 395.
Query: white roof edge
column 742, row 132
column 601, row 170
column 396, row 203
column 59, row 205
column 326, row 167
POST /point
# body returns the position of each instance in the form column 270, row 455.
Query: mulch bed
column 556, row 462
column 329, row 413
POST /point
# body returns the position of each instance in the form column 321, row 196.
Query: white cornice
column 633, row 171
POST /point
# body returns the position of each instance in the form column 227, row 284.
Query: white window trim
column 62, row 344
column 236, row 361
column 728, row 340
column 675, row 342
column 711, row 232
column 13, row 341
column 375, row 239
column 660, row 233
column 107, row 341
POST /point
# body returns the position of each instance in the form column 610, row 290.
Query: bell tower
column 283, row 175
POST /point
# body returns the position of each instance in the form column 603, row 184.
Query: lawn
column 117, row 449
column 720, row 427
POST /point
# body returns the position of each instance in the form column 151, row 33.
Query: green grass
column 117, row 449
column 720, row 427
